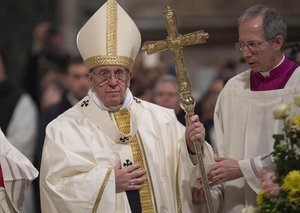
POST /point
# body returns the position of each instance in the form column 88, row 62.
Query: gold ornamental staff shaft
column 174, row 43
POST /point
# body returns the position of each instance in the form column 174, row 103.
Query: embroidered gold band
column 122, row 118
column 96, row 61
column 101, row 190
column 139, row 139
column 111, row 27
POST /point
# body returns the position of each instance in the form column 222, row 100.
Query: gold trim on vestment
column 148, row 170
column 101, row 190
column 122, row 118
column 179, row 205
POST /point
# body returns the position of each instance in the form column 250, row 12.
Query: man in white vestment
column 243, row 114
column 16, row 173
column 113, row 152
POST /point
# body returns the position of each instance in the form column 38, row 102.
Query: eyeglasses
column 252, row 45
column 104, row 76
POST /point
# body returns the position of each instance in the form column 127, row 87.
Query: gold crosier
column 174, row 43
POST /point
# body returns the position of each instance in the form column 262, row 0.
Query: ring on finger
column 132, row 183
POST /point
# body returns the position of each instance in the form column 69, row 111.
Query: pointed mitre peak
column 109, row 37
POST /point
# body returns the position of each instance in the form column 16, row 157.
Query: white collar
column 128, row 99
column 267, row 74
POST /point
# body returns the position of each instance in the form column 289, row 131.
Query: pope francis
column 113, row 152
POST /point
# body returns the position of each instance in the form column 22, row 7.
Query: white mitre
column 109, row 37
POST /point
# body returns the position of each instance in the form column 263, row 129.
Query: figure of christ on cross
column 174, row 43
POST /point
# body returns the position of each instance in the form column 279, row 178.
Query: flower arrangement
column 280, row 188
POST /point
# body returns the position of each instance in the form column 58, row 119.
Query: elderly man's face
column 110, row 83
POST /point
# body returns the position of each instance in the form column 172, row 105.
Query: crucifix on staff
column 174, row 43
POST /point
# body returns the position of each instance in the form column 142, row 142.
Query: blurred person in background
column 146, row 72
column 166, row 94
column 205, row 109
column 51, row 90
column 18, row 118
column 76, row 87
column 205, row 106
column 47, row 54
column 19, row 115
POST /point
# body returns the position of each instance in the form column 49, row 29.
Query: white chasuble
column 244, row 126
column 84, row 144
column 17, row 172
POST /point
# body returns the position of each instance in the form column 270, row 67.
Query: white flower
column 297, row 99
column 249, row 209
column 281, row 111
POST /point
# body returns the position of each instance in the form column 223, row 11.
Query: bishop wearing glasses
column 243, row 115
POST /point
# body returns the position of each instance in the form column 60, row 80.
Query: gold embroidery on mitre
column 111, row 27
column 96, row 61
column 122, row 119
